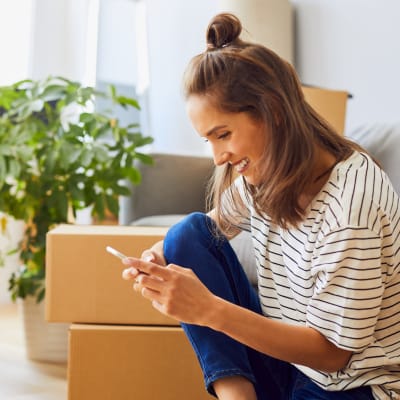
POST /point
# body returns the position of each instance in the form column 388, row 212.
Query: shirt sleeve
column 349, row 287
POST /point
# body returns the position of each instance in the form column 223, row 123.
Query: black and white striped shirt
column 338, row 273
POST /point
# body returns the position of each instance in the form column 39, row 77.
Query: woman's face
column 235, row 138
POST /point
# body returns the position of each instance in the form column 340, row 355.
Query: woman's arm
column 296, row 344
column 177, row 292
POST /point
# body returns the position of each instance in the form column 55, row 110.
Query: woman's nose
column 221, row 157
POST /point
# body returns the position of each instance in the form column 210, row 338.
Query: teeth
column 242, row 165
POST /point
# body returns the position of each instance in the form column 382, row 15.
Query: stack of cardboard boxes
column 119, row 346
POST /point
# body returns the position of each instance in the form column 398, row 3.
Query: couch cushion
column 383, row 142
column 159, row 220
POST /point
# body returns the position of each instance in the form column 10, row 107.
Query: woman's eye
column 223, row 135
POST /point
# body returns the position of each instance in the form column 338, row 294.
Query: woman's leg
column 305, row 389
column 192, row 244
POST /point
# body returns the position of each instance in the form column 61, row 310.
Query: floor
column 21, row 379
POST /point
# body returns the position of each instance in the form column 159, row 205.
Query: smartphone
column 115, row 253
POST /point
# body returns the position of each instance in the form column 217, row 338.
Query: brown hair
column 238, row 76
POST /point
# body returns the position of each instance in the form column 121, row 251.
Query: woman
column 324, row 220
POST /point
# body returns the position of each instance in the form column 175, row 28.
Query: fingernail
column 133, row 271
column 126, row 261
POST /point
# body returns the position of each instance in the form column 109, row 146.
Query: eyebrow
column 213, row 130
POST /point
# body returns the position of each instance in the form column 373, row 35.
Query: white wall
column 15, row 31
column 176, row 30
column 343, row 44
column 117, row 62
column 60, row 40
column 352, row 45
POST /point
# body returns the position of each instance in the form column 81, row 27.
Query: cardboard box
column 83, row 281
column 122, row 362
column 330, row 104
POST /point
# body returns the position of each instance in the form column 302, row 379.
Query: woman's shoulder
column 362, row 190
column 360, row 176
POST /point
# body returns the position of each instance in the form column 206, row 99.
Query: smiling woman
column 324, row 220
column 234, row 137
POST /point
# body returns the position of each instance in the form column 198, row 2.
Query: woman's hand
column 173, row 290
column 155, row 254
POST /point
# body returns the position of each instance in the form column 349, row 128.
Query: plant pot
column 11, row 233
column 44, row 341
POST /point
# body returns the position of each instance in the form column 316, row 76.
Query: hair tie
column 211, row 46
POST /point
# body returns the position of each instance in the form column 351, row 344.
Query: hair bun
column 223, row 30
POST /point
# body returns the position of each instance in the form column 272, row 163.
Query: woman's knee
column 194, row 231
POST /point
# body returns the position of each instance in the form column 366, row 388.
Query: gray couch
column 383, row 142
column 174, row 186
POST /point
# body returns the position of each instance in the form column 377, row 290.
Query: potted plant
column 59, row 154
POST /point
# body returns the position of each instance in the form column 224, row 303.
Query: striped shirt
column 338, row 272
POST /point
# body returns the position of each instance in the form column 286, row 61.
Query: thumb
column 148, row 255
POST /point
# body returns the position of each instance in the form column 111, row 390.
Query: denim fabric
column 192, row 243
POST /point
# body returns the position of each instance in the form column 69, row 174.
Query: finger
column 152, row 256
column 129, row 273
column 137, row 287
column 147, row 255
column 150, row 294
column 148, row 268
column 150, row 282
column 177, row 268
column 158, row 306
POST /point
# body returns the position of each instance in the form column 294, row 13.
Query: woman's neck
column 323, row 166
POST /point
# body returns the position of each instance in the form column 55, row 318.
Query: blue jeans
column 192, row 243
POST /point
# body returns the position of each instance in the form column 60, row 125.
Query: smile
column 242, row 165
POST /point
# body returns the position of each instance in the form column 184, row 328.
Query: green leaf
column 113, row 91
column 144, row 158
column 121, row 190
column 86, row 118
column 86, row 157
column 53, row 92
column 100, row 152
column 112, row 204
column 14, row 168
column 7, row 96
column 50, row 160
column 69, row 154
column 60, row 204
column 123, row 101
column 40, row 295
column 133, row 175
column 139, row 140
column 77, row 195
column 3, row 171
column 103, row 131
column 99, row 206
